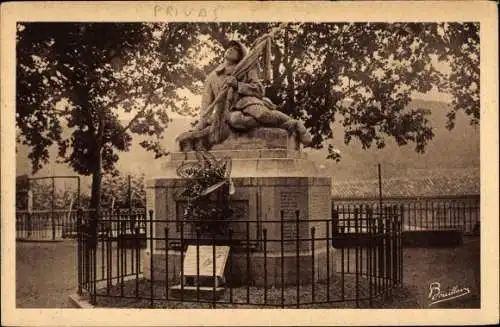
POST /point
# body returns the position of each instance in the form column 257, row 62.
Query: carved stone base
column 260, row 138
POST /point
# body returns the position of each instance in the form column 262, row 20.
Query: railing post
column 248, row 263
column 214, row 270
column 282, row 257
column 369, row 217
column 400, row 232
column 167, row 275
column 182, row 257
column 297, row 255
column 265, row 264
column 328, row 244
column 197, row 263
column 381, row 235
column 79, row 248
column 313, row 272
column 388, row 250
column 95, row 243
column 29, row 222
column 109, row 258
column 395, row 249
column 151, row 270
column 122, row 236
column 402, row 215
column 52, row 218
column 230, row 259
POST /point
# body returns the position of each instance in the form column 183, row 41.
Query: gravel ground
column 238, row 297
column 45, row 274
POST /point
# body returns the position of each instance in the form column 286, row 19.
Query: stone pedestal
column 271, row 175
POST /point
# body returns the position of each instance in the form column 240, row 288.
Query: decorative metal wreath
column 207, row 190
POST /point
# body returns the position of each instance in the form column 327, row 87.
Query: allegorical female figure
column 243, row 108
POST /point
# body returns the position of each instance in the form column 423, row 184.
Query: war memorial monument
column 273, row 184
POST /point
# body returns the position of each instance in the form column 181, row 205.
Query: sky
column 433, row 95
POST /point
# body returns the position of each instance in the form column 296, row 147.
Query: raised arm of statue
column 251, row 86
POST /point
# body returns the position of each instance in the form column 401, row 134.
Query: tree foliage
column 86, row 76
column 364, row 75
column 116, row 186
column 44, row 196
column 461, row 49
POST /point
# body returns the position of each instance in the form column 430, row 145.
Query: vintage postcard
column 249, row 163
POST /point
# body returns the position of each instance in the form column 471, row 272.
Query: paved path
column 45, row 274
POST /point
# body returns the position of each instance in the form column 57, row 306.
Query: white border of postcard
column 385, row 11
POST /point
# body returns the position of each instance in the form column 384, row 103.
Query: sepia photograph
column 210, row 163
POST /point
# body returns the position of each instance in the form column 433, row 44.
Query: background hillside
column 449, row 151
column 455, row 149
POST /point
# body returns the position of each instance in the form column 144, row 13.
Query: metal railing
column 426, row 213
column 285, row 262
column 60, row 224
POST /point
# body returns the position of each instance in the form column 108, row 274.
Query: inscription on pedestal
column 318, row 205
column 289, row 203
column 289, row 200
column 289, row 231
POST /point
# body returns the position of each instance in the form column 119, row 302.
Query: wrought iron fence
column 285, row 262
column 426, row 213
column 431, row 213
column 60, row 224
column 45, row 224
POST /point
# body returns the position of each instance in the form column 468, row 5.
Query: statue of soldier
column 246, row 104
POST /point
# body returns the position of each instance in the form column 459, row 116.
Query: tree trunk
column 273, row 90
column 96, row 190
column 95, row 197
column 290, row 83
